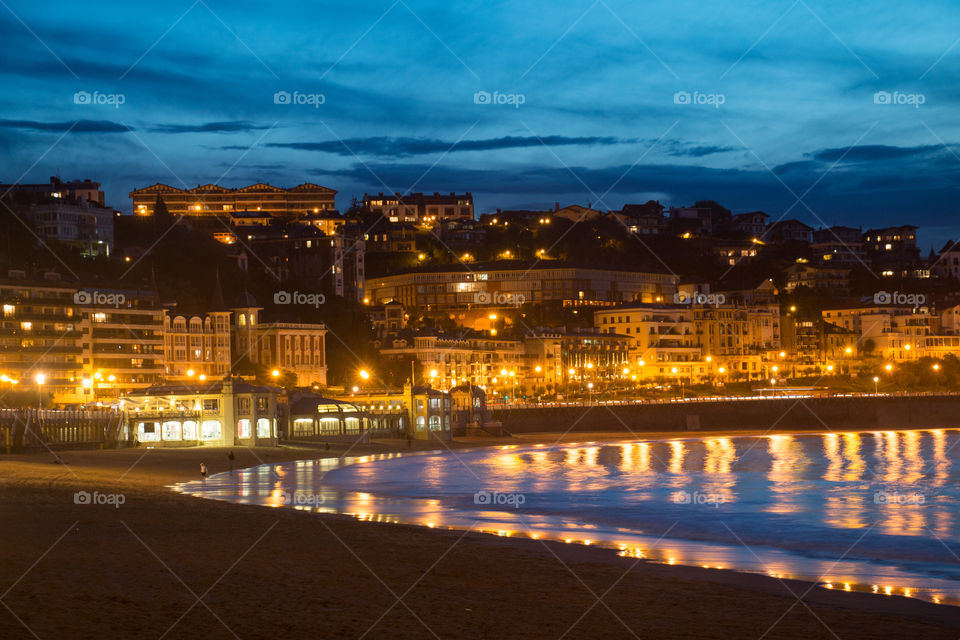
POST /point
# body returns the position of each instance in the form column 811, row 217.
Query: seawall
column 814, row 413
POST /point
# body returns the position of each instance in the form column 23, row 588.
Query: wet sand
column 166, row 565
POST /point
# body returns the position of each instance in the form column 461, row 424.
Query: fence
column 38, row 429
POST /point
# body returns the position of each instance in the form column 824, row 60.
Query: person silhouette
column 203, row 470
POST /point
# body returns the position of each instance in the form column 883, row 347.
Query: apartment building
column 286, row 347
column 213, row 200
column 196, row 345
column 421, row 208
column 695, row 341
column 509, row 284
column 80, row 344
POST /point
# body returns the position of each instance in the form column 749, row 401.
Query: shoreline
column 146, row 475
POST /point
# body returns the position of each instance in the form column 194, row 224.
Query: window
column 189, row 430
column 210, row 430
column 421, row 423
column 171, row 430
column 435, row 423
column 263, row 428
column 211, row 404
column 148, row 432
column 244, row 405
column 262, row 403
column 243, row 428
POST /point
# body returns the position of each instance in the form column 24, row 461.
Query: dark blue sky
column 604, row 117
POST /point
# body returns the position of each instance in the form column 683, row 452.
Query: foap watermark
column 99, row 298
column 709, row 99
column 96, row 498
column 714, row 299
column 497, row 499
column 899, row 99
column 301, row 499
column 908, row 299
column 298, row 98
column 499, row 298
column 95, row 97
column 697, row 498
column 895, row 497
column 285, row 297
column 509, row 99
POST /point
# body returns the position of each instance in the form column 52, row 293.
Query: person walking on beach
column 203, row 470
column 230, row 458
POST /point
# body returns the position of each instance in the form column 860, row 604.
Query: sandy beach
column 162, row 564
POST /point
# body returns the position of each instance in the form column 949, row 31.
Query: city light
column 364, row 374
column 40, row 378
column 433, row 373
column 275, row 373
column 190, row 373
column 721, row 370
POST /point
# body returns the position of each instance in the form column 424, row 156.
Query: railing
column 709, row 399
column 38, row 429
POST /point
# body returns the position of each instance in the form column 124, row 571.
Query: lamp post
column 876, row 385
column 40, row 379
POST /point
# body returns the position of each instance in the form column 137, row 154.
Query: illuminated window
column 263, row 428
column 148, row 432
column 26, row 326
column 99, row 317
column 8, row 309
column 189, row 430
column 210, row 430
column 171, row 430
column 243, row 428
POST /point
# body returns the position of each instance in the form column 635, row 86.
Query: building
column 196, row 346
column 576, row 213
column 419, row 411
column 891, row 331
column 84, row 225
column 644, row 219
column 753, row 224
column 76, row 190
column 835, row 280
column 947, row 262
column 298, row 348
column 332, row 265
column 72, row 213
column 892, row 246
column 510, row 284
column 839, row 246
column 735, row 251
column 225, row 413
column 696, row 221
column 694, row 341
column 421, row 208
column 470, row 358
column 786, row 231
column 85, row 344
column 214, row 200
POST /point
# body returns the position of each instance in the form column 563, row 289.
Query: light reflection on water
column 870, row 511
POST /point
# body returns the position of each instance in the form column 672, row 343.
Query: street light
column 275, row 373
column 876, row 385
column 40, row 379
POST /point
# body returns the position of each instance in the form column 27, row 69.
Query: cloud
column 77, row 126
column 873, row 153
column 405, row 147
column 682, row 150
column 208, row 127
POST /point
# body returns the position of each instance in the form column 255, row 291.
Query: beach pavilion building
column 228, row 412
